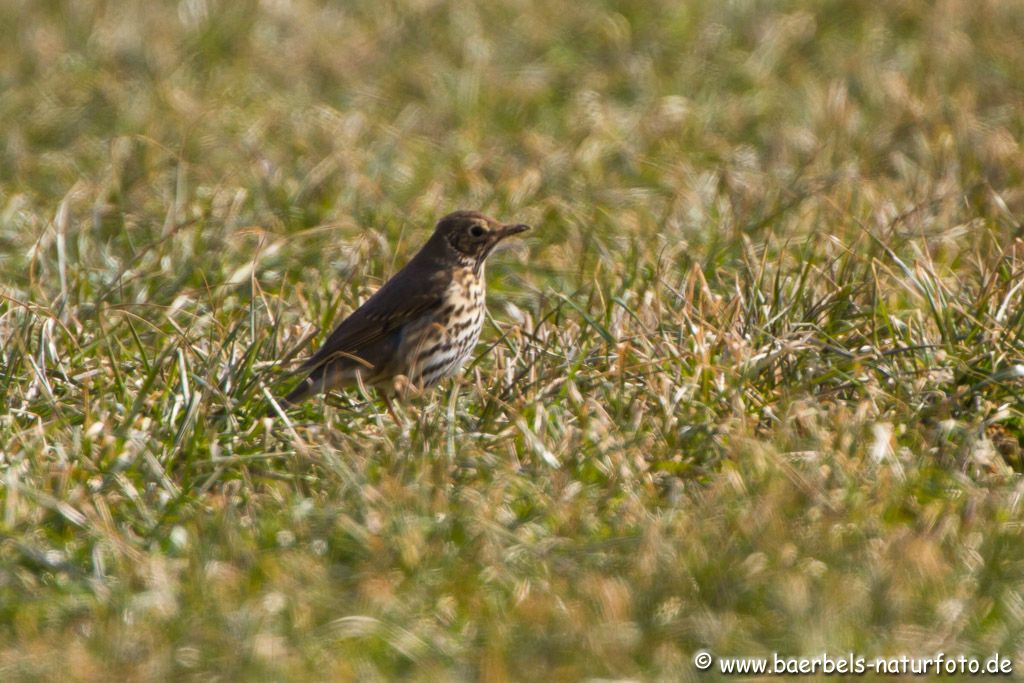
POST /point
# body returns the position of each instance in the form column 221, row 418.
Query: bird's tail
column 306, row 388
column 282, row 403
column 300, row 393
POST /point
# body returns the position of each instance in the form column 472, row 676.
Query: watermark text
column 940, row 664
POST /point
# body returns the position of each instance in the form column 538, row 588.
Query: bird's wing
column 403, row 298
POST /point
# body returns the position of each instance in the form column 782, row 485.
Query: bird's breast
column 443, row 341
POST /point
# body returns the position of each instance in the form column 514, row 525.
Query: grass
column 753, row 384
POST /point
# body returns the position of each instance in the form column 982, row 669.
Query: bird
column 421, row 325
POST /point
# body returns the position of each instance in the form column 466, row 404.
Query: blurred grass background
column 751, row 385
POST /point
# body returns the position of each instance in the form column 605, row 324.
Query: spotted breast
column 442, row 342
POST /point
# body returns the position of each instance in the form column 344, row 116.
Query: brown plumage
column 422, row 324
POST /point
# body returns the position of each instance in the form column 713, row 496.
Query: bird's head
column 469, row 236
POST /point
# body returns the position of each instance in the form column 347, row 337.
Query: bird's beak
column 511, row 229
column 499, row 234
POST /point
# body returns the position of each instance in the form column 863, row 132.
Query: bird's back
column 367, row 345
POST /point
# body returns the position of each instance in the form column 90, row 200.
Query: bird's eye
column 477, row 230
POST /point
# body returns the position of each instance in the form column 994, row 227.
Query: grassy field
column 753, row 384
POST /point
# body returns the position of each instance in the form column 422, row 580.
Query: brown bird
column 422, row 324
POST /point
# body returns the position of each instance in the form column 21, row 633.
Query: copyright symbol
column 702, row 660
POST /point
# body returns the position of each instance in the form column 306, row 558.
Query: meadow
column 752, row 384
